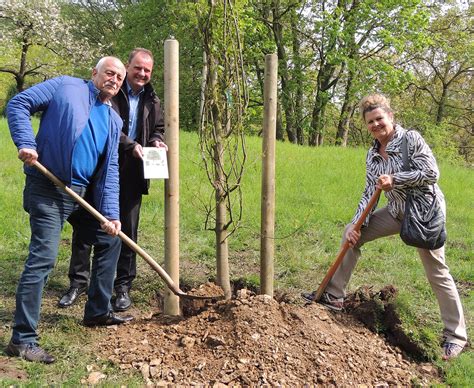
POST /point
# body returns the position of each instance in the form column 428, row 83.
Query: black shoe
column 107, row 320
column 71, row 296
column 29, row 352
column 122, row 301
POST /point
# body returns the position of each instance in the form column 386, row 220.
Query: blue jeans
column 49, row 207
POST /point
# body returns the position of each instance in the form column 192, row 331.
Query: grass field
column 317, row 191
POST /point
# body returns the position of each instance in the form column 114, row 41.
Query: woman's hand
column 352, row 236
column 385, row 182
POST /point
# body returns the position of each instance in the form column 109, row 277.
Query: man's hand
column 138, row 151
column 385, row 182
column 112, row 227
column 352, row 236
column 159, row 144
column 28, row 156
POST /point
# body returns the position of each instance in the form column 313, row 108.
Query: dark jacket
column 150, row 127
column 66, row 103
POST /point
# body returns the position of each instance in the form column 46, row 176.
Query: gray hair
column 102, row 61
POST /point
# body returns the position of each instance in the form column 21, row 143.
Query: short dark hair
column 137, row 50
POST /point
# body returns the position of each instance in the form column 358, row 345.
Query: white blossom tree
column 37, row 42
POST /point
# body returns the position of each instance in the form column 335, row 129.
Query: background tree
column 221, row 132
column 37, row 42
column 443, row 80
column 148, row 23
column 352, row 40
column 331, row 53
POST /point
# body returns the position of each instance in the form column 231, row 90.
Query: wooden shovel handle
column 127, row 240
column 373, row 200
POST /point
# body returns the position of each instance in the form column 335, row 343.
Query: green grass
column 317, row 191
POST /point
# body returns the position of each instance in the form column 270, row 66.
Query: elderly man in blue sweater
column 77, row 141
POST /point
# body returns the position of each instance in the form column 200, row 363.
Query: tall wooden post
column 171, row 110
column 267, row 239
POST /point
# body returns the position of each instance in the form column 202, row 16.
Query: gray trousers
column 382, row 224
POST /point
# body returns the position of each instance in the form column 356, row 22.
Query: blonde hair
column 374, row 101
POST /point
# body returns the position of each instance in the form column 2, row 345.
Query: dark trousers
column 79, row 266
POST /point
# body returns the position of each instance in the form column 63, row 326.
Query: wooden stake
column 267, row 239
column 171, row 110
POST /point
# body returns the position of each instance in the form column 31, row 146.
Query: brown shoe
column 29, row 352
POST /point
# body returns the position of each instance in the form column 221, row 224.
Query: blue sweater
column 66, row 103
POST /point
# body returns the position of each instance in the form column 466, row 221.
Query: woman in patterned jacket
column 384, row 167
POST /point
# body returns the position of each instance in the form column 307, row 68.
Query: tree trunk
column 20, row 76
column 441, row 105
column 298, row 77
column 317, row 122
column 279, row 124
column 222, row 247
column 324, row 83
column 346, row 113
column 286, row 93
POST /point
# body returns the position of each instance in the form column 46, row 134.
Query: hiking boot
column 29, row 352
column 331, row 301
column 451, row 350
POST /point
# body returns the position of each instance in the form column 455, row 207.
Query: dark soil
column 257, row 340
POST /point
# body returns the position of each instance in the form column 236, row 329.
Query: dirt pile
column 255, row 340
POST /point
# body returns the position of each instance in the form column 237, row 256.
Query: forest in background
column 331, row 53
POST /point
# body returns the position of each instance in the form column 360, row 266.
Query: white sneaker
column 451, row 350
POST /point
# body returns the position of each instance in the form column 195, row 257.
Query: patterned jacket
column 421, row 178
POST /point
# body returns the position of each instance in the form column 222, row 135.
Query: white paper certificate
column 155, row 163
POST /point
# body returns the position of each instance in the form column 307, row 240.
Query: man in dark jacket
column 143, row 126
column 77, row 141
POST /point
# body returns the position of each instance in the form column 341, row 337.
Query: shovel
column 373, row 200
column 127, row 240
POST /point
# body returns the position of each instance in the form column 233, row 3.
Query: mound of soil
column 256, row 340
column 377, row 311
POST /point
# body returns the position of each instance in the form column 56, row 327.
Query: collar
column 130, row 91
column 394, row 143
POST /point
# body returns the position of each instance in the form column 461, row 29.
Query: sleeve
column 23, row 105
column 126, row 144
column 110, row 203
column 369, row 190
column 423, row 167
column 157, row 133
